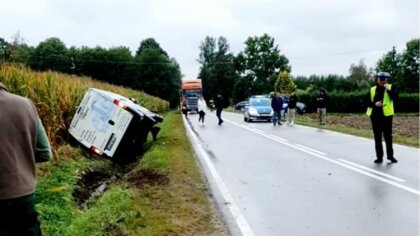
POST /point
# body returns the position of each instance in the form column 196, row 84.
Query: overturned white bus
column 112, row 126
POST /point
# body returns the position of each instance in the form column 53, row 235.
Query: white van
column 111, row 125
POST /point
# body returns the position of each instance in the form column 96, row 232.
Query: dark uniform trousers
column 382, row 125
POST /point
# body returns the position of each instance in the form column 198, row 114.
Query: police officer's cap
column 383, row 75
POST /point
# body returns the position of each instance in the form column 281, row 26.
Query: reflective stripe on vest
column 387, row 103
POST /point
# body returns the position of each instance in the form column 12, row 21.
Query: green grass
column 163, row 194
column 367, row 133
column 54, row 191
column 112, row 214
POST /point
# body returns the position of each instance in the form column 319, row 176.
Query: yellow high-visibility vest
column 387, row 103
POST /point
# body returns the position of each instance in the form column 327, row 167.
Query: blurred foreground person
column 23, row 143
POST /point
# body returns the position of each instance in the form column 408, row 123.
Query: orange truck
column 191, row 90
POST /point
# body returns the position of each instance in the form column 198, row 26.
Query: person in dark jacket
column 291, row 108
column 321, row 104
column 276, row 105
column 23, row 143
column 380, row 108
column 220, row 104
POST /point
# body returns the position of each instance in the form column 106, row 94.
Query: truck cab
column 191, row 91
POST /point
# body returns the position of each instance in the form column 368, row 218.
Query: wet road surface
column 296, row 180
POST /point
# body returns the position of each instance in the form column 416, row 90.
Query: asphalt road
column 296, row 180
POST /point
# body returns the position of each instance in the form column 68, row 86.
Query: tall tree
column 359, row 75
column 242, row 88
column 90, row 61
column 20, row 51
column 217, row 71
column 150, row 43
column 156, row 73
column 206, row 59
column 391, row 62
column 262, row 62
column 50, row 54
column 4, row 49
column 120, row 65
column 411, row 66
column 284, row 84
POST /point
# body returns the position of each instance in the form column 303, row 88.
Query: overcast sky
column 318, row 37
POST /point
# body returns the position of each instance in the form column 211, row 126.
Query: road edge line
column 238, row 217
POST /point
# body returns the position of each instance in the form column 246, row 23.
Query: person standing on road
column 184, row 107
column 202, row 106
column 380, row 109
column 276, row 105
column 219, row 103
column 321, row 104
column 23, row 143
column 291, row 110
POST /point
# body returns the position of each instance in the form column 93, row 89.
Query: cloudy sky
column 318, row 37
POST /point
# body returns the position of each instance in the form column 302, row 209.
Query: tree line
column 150, row 69
column 259, row 69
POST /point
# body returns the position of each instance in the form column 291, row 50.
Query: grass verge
column 360, row 126
column 163, row 194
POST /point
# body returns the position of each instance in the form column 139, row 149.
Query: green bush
column 407, row 102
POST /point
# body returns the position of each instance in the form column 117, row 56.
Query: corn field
column 56, row 96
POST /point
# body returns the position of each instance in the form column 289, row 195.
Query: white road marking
column 311, row 149
column 258, row 131
column 230, row 202
column 281, row 139
column 236, row 123
column 373, row 171
column 398, row 185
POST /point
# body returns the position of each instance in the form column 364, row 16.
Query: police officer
column 380, row 103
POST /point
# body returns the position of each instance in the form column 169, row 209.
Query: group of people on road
column 379, row 103
column 202, row 108
column 277, row 106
